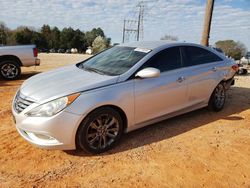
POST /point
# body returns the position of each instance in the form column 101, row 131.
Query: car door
column 155, row 97
column 203, row 70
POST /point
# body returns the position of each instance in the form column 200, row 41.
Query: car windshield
column 114, row 61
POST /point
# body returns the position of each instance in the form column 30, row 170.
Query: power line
column 134, row 27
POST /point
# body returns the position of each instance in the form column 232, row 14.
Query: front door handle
column 181, row 79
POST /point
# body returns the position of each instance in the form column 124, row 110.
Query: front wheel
column 100, row 131
column 218, row 98
column 10, row 70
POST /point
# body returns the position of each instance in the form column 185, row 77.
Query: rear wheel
column 218, row 98
column 100, row 130
column 10, row 70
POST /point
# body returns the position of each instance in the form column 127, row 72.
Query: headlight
column 53, row 107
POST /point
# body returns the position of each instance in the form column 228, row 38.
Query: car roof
column 152, row 45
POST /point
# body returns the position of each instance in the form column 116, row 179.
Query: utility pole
column 138, row 27
column 207, row 23
column 140, row 20
column 134, row 27
column 123, row 33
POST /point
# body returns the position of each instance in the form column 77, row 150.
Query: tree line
column 48, row 37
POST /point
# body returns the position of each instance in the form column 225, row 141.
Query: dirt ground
column 198, row 149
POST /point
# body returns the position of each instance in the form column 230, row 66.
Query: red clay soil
column 198, row 149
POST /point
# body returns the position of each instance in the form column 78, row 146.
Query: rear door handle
column 214, row 69
column 181, row 79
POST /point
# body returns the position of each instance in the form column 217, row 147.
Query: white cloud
column 183, row 18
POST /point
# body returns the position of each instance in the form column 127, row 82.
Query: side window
column 197, row 56
column 165, row 60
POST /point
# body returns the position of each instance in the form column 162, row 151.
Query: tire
column 218, row 98
column 10, row 70
column 99, row 131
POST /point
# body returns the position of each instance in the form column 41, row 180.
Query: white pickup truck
column 12, row 58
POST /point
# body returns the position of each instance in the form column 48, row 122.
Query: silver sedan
column 91, row 104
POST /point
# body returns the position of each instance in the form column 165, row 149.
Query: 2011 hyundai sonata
column 91, row 104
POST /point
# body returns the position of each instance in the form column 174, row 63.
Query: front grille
column 21, row 103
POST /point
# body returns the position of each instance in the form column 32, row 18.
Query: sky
column 181, row 18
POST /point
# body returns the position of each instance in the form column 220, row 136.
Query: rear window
column 196, row 56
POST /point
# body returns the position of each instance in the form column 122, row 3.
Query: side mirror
column 148, row 73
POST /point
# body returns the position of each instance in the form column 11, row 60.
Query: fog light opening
column 42, row 138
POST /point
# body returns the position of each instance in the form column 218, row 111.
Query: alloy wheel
column 9, row 70
column 102, row 131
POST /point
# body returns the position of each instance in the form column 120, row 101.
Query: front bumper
column 57, row 132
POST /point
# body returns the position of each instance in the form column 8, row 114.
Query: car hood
column 63, row 81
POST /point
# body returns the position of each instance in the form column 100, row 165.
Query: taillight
column 35, row 52
column 235, row 67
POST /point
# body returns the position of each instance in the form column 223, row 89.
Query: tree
column 38, row 39
column 83, row 41
column 11, row 40
column 98, row 32
column 66, row 37
column 232, row 49
column 48, row 37
column 91, row 35
column 170, row 37
column 3, row 34
column 46, row 34
column 78, row 40
column 23, row 35
column 55, row 38
column 99, row 44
